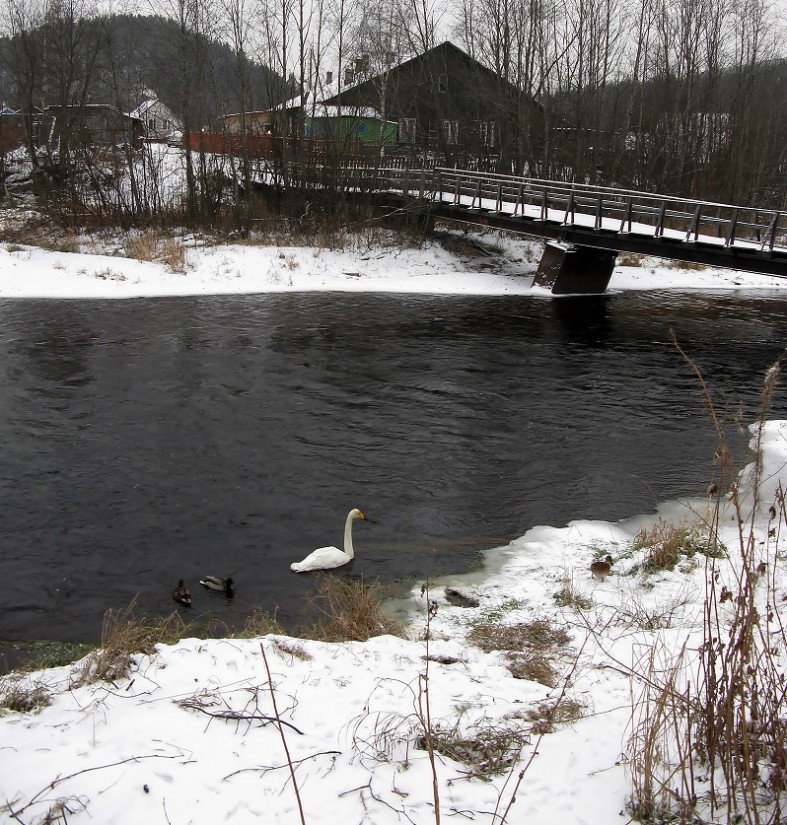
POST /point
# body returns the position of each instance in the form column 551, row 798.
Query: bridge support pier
column 575, row 270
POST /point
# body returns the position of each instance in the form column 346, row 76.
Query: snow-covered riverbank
column 188, row 737
column 453, row 263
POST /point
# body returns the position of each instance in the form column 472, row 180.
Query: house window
column 441, row 83
column 407, row 130
column 451, row 132
column 489, row 133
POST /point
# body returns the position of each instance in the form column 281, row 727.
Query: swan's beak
column 361, row 515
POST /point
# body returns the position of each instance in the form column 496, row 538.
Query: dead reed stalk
column 710, row 740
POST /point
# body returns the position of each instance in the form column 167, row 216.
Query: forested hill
column 114, row 59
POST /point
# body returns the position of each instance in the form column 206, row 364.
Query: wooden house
column 92, row 124
column 158, row 120
column 445, row 102
column 251, row 123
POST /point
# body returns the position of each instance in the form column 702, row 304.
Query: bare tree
column 22, row 21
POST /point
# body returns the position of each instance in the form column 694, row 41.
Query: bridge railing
column 602, row 209
column 612, row 210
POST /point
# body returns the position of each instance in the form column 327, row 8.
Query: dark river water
column 146, row 441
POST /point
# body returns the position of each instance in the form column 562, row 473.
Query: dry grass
column 689, row 265
column 123, row 635
column 667, row 543
column 259, row 623
column 628, row 259
column 570, row 596
column 142, row 245
column 290, row 649
column 659, row 750
column 20, row 696
column 487, row 750
column 709, row 738
column 527, row 647
column 533, row 669
column 548, row 715
column 536, row 635
column 52, row 239
column 152, row 246
column 109, row 274
column 635, row 614
column 349, row 610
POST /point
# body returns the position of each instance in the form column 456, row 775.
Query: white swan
column 326, row 558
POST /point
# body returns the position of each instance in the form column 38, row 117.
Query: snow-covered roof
column 321, row 110
column 316, row 108
column 143, row 107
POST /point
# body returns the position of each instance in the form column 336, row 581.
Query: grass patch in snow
column 548, row 715
column 488, row 750
column 570, row 596
column 20, row 696
column 124, row 635
column 527, row 646
column 349, row 611
column 154, row 247
column 665, row 544
column 533, row 668
column 538, row 635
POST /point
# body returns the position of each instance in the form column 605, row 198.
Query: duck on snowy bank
column 600, row 569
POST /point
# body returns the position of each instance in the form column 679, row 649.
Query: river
column 145, row 441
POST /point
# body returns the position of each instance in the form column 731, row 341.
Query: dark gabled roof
column 445, row 48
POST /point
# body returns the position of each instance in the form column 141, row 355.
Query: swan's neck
column 348, row 537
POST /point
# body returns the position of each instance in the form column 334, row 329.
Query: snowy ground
column 455, row 263
column 187, row 738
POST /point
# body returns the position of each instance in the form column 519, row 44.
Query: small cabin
column 91, row 124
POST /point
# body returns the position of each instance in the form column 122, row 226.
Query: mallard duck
column 600, row 569
column 225, row 586
column 181, row 594
column 326, row 558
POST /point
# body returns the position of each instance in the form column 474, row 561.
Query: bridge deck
column 715, row 234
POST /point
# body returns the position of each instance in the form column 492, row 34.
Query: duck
column 600, row 569
column 225, row 586
column 181, row 594
column 328, row 558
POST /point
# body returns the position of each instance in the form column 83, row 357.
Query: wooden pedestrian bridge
column 587, row 226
